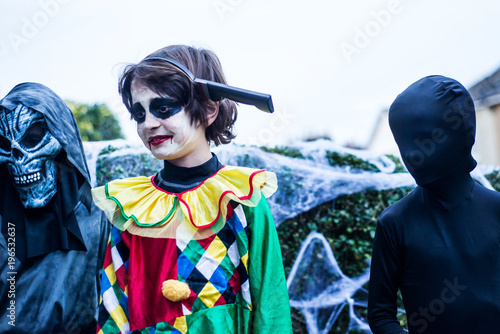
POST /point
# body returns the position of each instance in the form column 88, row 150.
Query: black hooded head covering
column 41, row 231
column 60, row 119
column 433, row 122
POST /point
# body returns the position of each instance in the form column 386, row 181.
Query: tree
column 96, row 122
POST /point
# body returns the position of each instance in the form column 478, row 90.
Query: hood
column 433, row 122
column 53, row 227
column 59, row 118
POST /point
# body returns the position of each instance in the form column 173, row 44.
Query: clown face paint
column 166, row 129
column 29, row 150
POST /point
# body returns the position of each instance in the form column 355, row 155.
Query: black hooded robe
column 51, row 291
column 440, row 245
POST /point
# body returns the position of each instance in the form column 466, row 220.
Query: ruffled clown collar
column 139, row 201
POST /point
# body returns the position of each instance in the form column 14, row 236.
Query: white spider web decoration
column 319, row 289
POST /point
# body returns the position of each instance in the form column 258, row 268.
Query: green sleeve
column 270, row 301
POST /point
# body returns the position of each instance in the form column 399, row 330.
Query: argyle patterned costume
column 218, row 237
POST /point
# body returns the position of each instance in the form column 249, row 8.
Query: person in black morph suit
column 441, row 243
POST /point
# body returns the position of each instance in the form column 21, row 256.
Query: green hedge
column 124, row 166
column 348, row 223
column 339, row 159
column 284, row 150
column 494, row 179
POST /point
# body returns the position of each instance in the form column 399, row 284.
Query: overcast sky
column 331, row 66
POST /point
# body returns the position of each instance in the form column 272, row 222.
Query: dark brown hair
column 164, row 78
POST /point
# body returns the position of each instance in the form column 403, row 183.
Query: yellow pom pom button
column 175, row 291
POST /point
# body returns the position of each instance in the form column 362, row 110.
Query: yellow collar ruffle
column 139, row 201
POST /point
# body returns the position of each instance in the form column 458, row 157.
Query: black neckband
column 177, row 179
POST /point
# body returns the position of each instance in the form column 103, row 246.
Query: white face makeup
column 166, row 130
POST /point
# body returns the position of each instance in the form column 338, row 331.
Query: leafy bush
column 348, row 223
column 338, row 159
column 95, row 122
column 400, row 168
column 494, row 179
column 124, row 166
column 284, row 150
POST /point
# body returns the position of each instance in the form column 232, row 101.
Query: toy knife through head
column 216, row 91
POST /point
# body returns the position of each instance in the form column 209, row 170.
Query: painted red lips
column 157, row 140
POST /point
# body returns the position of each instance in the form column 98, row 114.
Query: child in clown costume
column 194, row 248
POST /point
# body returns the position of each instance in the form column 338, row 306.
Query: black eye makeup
column 138, row 113
column 164, row 108
column 161, row 108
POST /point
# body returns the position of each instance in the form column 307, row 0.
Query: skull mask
column 29, row 149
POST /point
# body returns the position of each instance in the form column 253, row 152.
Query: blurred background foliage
column 96, row 122
column 494, row 179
